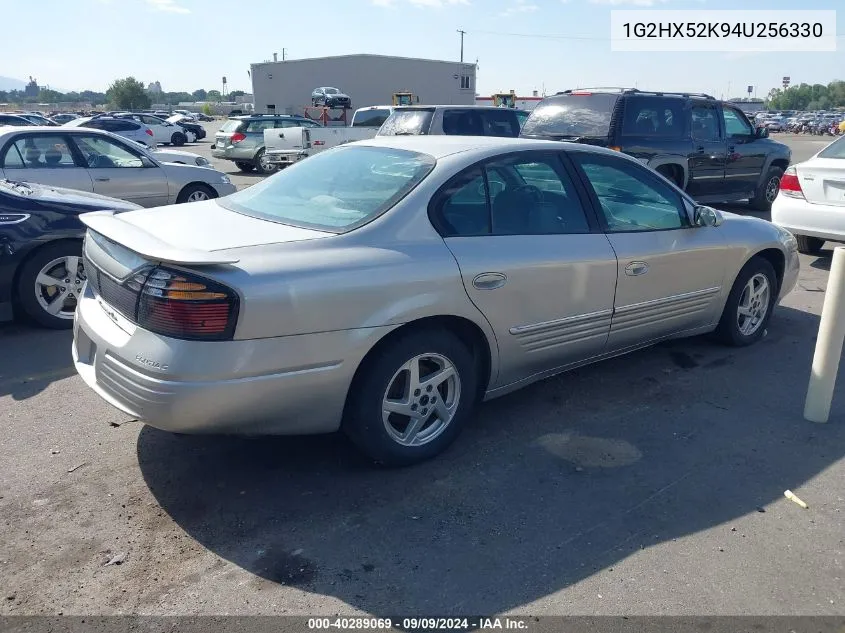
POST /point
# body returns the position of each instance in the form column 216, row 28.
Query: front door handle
column 635, row 269
column 102, row 179
column 281, row 135
column 489, row 281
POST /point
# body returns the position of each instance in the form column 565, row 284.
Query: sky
column 524, row 45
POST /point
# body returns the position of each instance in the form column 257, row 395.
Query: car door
column 670, row 274
column 120, row 171
column 45, row 159
column 746, row 154
column 709, row 151
column 532, row 260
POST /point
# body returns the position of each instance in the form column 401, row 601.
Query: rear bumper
column 285, row 157
column 799, row 217
column 246, row 155
column 284, row 386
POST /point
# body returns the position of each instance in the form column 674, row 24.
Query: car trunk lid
column 823, row 181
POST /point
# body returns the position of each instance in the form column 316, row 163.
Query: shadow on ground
column 546, row 487
column 31, row 358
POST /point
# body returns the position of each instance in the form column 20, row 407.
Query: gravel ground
column 649, row 484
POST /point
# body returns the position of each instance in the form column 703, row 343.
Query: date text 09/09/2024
column 419, row 624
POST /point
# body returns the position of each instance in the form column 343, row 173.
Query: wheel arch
column 197, row 183
column 777, row 161
column 676, row 165
column 465, row 329
column 776, row 258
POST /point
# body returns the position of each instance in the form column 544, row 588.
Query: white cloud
column 433, row 4
column 519, row 6
column 636, row 3
column 168, row 6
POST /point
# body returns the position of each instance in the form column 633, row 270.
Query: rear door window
column 572, row 115
column 654, row 116
column 257, row 126
column 232, row 125
column 500, row 123
column 39, row 152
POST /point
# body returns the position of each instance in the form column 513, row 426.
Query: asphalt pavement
column 650, row 484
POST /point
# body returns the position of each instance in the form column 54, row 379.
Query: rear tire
column 750, row 304
column 244, row 167
column 178, row 139
column 767, row 191
column 436, row 410
column 262, row 166
column 809, row 245
column 38, row 299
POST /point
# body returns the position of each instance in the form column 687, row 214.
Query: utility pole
column 462, row 44
column 284, row 50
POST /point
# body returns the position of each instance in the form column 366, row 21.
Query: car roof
column 440, row 146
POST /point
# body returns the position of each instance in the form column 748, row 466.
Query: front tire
column 195, row 193
column 410, row 402
column 750, row 304
column 809, row 245
column 767, row 191
column 50, row 284
column 178, row 139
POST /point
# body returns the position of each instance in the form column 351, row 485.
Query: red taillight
column 790, row 185
column 237, row 137
column 186, row 306
column 149, row 132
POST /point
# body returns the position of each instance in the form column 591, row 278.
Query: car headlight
column 225, row 180
column 202, row 162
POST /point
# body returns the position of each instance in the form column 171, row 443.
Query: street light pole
column 462, row 44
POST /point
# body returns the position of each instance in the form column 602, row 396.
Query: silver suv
column 241, row 139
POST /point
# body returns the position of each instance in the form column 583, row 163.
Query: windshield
column 331, row 91
column 336, row 190
column 407, row 122
column 834, row 150
column 572, row 116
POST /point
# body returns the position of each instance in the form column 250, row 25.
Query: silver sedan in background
column 386, row 286
column 104, row 163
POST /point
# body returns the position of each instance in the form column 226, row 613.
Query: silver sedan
column 104, row 163
column 386, row 286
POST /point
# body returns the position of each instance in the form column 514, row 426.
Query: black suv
column 705, row 146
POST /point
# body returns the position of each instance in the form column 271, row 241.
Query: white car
column 164, row 132
column 811, row 201
column 127, row 128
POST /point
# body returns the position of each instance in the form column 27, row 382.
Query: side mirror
column 762, row 132
column 707, row 216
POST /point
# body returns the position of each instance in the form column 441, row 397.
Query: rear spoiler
column 110, row 225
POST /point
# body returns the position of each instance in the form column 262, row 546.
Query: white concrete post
column 828, row 344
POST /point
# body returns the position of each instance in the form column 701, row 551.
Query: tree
column 214, row 95
column 128, row 94
column 199, row 95
column 49, row 96
column 207, row 109
column 236, row 93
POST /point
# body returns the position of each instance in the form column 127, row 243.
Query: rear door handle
column 102, row 179
column 489, row 281
column 635, row 269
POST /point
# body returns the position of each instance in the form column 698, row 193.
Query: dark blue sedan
column 41, row 272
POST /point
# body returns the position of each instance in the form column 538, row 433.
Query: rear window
column 570, row 116
column 834, row 150
column 370, row 118
column 232, row 125
column 336, row 190
column 656, row 117
column 407, row 122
